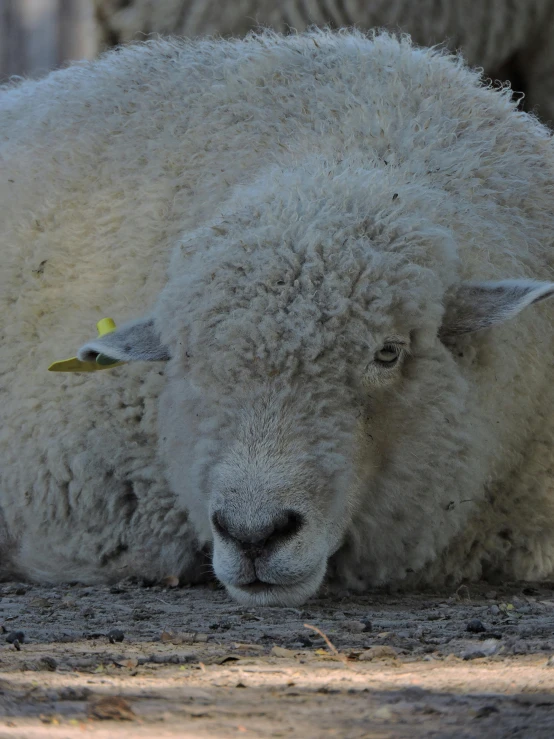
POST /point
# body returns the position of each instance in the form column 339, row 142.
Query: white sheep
column 350, row 228
column 511, row 39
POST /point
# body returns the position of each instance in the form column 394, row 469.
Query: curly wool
column 116, row 169
column 511, row 40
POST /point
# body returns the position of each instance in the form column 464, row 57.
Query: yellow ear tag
column 102, row 361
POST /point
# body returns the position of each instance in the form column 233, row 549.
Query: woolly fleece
column 510, row 39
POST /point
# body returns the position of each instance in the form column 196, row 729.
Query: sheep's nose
column 254, row 539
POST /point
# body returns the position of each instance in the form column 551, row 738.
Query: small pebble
column 115, row 635
column 484, row 649
column 14, row 636
column 475, row 626
column 278, row 651
column 356, row 627
column 47, row 663
column 383, row 713
column 112, row 708
column 486, row 711
column 368, row 626
column 171, row 659
column 378, row 652
column 495, row 610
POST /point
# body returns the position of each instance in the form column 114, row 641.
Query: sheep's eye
column 388, row 356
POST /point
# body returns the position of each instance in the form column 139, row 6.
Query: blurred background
column 39, row 35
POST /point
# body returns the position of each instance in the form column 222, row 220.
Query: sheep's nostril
column 218, row 522
column 288, row 525
column 253, row 540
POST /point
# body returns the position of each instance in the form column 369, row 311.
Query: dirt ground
column 192, row 663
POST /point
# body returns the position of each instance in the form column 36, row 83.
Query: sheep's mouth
column 260, row 593
column 259, row 586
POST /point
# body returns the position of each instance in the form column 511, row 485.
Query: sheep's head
column 311, row 397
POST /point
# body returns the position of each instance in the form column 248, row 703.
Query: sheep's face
column 267, row 475
column 312, row 407
column 281, row 471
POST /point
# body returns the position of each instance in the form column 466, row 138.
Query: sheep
column 340, row 247
column 511, row 39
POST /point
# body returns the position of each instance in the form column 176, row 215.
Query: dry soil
column 193, row 663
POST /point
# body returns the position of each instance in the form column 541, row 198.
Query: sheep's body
column 108, row 166
column 510, row 39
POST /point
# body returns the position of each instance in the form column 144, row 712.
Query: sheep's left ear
column 478, row 305
column 136, row 341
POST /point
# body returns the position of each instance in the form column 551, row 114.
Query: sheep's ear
column 478, row 305
column 136, row 341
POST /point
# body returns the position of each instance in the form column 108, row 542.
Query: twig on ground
column 329, row 643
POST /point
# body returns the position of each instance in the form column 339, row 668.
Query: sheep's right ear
column 475, row 306
column 137, row 341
